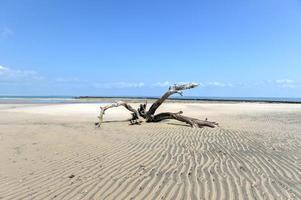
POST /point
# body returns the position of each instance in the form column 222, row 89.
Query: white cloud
column 162, row 84
column 6, row 32
column 187, row 82
column 286, row 83
column 16, row 75
column 119, row 85
column 3, row 68
column 168, row 83
column 218, row 84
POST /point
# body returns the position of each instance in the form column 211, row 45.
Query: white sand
column 255, row 153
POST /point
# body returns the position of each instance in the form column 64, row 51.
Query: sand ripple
column 162, row 161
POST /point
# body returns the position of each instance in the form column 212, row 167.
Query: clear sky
column 249, row 48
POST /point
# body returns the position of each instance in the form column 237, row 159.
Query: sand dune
column 54, row 152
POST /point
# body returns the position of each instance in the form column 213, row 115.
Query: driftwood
column 150, row 116
column 133, row 120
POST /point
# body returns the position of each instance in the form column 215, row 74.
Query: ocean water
column 37, row 99
column 247, row 99
column 71, row 99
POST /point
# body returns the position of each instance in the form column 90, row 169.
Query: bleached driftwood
column 133, row 120
column 150, row 116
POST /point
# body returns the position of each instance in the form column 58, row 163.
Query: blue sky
column 231, row 48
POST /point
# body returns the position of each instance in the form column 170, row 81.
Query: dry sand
column 54, row 152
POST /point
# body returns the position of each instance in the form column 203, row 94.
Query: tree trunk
column 172, row 90
column 188, row 120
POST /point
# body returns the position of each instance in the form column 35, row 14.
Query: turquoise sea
column 83, row 99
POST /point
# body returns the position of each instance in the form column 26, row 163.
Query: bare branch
column 135, row 115
column 193, row 122
column 172, row 90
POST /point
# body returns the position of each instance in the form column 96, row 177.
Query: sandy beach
column 55, row 152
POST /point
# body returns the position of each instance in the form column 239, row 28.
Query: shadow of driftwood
column 176, row 124
column 112, row 121
column 116, row 121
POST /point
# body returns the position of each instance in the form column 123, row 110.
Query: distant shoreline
column 207, row 99
column 138, row 99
